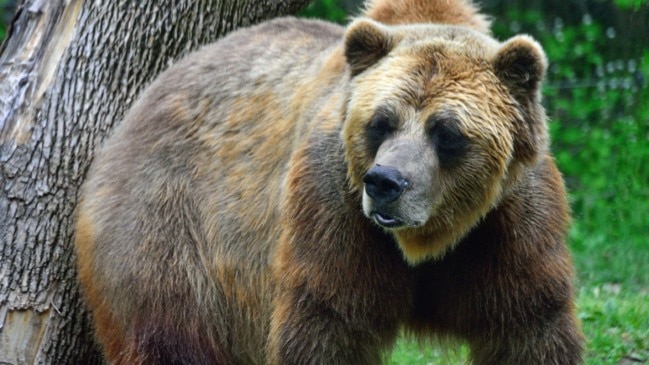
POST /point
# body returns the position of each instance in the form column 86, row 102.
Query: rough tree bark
column 68, row 71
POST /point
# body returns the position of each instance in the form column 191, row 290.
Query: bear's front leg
column 308, row 331
column 338, row 302
column 557, row 342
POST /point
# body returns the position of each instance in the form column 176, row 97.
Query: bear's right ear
column 366, row 42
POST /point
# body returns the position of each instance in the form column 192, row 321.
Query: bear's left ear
column 366, row 42
column 520, row 64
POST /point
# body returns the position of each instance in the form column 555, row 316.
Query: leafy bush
column 331, row 10
column 6, row 11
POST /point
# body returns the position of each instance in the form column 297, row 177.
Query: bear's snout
column 384, row 184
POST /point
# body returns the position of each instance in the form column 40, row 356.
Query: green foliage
column 631, row 4
column 3, row 20
column 331, row 10
column 6, row 12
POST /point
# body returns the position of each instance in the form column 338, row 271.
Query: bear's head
column 440, row 123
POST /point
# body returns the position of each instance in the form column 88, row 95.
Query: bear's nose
column 384, row 184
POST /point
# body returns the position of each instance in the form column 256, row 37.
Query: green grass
column 616, row 323
column 411, row 353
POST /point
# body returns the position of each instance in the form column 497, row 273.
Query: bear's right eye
column 379, row 128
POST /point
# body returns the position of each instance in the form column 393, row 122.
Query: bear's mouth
column 386, row 220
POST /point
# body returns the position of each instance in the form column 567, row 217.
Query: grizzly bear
column 299, row 193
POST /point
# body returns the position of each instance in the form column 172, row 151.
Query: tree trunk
column 69, row 71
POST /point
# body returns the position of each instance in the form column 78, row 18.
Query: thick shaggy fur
column 227, row 220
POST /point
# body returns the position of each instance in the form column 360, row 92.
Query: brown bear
column 299, row 193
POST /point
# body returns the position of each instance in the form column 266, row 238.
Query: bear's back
column 186, row 194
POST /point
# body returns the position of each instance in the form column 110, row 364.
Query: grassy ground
column 613, row 304
column 614, row 294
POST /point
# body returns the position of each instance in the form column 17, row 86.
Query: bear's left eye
column 449, row 138
column 449, row 141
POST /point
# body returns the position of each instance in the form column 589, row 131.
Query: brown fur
column 226, row 220
column 454, row 12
